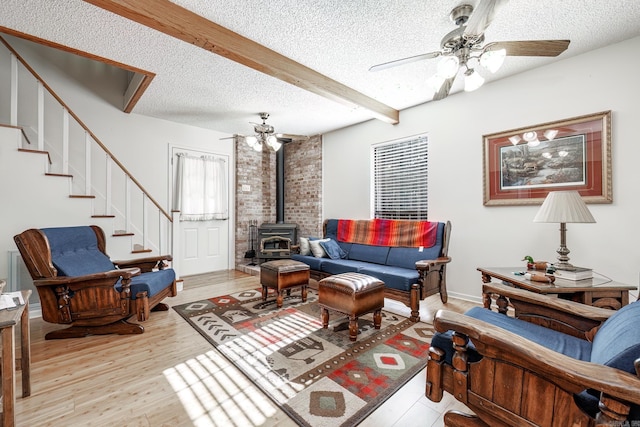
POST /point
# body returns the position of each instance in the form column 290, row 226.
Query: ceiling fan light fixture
column 472, row 80
column 492, row 60
column 251, row 141
column 448, row 66
column 257, row 146
column 273, row 142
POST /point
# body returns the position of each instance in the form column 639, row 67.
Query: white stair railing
column 70, row 145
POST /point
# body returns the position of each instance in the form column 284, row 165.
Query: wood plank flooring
column 171, row 376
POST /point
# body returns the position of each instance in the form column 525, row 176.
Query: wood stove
column 276, row 240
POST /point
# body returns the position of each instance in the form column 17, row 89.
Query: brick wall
column 303, row 186
column 302, row 194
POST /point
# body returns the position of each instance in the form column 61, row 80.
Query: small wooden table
column 8, row 320
column 598, row 292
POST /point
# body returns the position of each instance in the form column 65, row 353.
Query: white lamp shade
column 273, row 142
column 492, row 60
column 563, row 206
column 448, row 66
column 251, row 141
column 472, row 81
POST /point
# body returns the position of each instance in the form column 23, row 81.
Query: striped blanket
column 388, row 232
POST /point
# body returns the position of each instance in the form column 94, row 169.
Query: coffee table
column 598, row 292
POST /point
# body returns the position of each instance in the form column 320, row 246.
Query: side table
column 8, row 320
column 596, row 292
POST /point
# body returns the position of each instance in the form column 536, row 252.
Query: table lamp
column 563, row 207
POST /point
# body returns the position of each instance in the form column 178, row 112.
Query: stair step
column 103, row 216
column 27, row 150
column 81, row 196
column 64, row 175
column 140, row 251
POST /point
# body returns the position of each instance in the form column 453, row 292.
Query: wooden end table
column 8, row 320
column 598, row 292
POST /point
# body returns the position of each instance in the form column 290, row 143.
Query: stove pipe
column 280, row 185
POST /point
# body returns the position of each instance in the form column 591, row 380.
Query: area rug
column 317, row 376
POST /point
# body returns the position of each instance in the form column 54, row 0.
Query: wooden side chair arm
column 432, row 264
column 145, row 264
column 567, row 373
column 560, row 305
column 91, row 279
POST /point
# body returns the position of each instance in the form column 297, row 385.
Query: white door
column 200, row 246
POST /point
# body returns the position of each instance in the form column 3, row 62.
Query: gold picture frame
column 521, row 166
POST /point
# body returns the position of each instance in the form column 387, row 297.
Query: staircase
column 92, row 183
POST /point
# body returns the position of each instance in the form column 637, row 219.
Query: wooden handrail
column 81, row 123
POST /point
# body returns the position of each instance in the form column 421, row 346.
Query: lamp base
column 563, row 265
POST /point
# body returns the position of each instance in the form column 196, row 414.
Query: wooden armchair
column 538, row 361
column 80, row 286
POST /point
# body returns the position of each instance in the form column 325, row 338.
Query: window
column 201, row 188
column 400, row 179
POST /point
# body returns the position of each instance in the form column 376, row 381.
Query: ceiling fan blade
column 481, row 17
column 403, row 61
column 444, row 89
column 531, row 47
column 291, row 137
column 233, row 137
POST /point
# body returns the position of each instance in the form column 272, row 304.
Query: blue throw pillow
column 332, row 249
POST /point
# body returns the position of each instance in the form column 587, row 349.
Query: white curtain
column 201, row 188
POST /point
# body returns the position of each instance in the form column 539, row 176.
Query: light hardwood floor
column 171, row 376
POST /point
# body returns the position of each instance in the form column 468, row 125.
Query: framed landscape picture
column 521, row 166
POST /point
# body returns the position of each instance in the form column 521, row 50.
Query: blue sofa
column 410, row 274
column 538, row 360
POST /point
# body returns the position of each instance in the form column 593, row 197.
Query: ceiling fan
column 265, row 135
column 463, row 48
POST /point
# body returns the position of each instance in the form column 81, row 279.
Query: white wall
column 601, row 80
column 140, row 143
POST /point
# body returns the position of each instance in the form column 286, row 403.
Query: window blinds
column 400, row 179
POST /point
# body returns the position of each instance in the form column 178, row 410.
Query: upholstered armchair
column 80, row 286
column 537, row 361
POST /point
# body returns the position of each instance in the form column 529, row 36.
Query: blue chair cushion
column 617, row 342
column 74, row 251
column 151, row 282
column 340, row 266
column 369, row 253
column 407, row 257
column 393, row 277
column 313, row 262
column 331, row 229
column 553, row 340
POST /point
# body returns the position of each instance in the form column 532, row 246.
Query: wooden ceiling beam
column 181, row 23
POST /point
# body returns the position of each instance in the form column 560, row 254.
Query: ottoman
column 282, row 275
column 353, row 294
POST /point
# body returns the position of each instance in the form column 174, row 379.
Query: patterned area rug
column 317, row 376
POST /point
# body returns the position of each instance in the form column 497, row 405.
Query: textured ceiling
column 340, row 39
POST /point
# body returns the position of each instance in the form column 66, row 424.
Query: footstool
column 353, row 294
column 282, row 275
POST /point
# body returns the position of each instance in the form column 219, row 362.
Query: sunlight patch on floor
column 215, row 394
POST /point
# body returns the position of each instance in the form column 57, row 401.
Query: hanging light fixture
column 492, row 60
column 472, row 80
column 448, row 66
column 273, row 142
